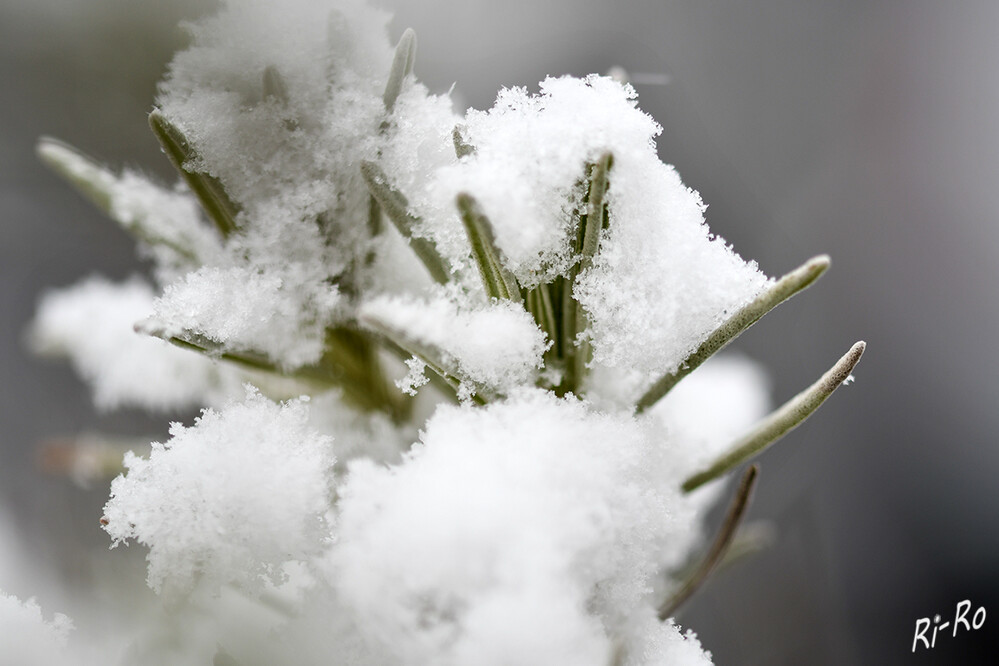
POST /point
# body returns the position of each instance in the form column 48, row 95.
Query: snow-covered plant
column 439, row 357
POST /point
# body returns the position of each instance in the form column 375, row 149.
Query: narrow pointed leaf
column 86, row 176
column 434, row 357
column 402, row 66
column 594, row 210
column 780, row 422
column 209, row 191
column 349, row 362
column 577, row 352
column 395, row 206
column 98, row 185
column 733, row 517
column 496, row 278
column 539, row 303
column 786, row 287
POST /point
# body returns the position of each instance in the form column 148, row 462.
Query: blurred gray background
column 866, row 130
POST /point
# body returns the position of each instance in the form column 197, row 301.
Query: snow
column 531, row 498
column 534, row 529
column 28, row 639
column 495, row 346
column 93, row 323
column 232, row 498
column 245, row 310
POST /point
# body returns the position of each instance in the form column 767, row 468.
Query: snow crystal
column 415, row 378
column 93, row 324
column 27, row 639
column 230, row 499
column 497, row 508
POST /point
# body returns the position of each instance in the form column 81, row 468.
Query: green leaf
column 97, row 185
column 780, row 422
column 402, row 66
column 576, row 351
column 496, row 278
column 794, row 282
column 208, row 189
column 349, row 362
column 88, row 177
column 733, row 517
column 539, row 303
column 396, row 207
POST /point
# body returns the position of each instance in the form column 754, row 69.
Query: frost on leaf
column 230, row 499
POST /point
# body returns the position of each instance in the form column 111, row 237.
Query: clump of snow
column 231, row 499
column 705, row 414
column 93, row 324
column 660, row 282
column 26, row 638
column 497, row 346
column 663, row 644
column 529, row 167
column 281, row 103
column 541, row 509
column 244, row 310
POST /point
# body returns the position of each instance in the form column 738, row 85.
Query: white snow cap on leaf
column 495, row 345
column 93, row 324
column 536, row 507
column 26, row 638
column 245, row 311
column 660, row 282
column 230, row 499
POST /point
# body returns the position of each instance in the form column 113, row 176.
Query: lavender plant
column 440, row 359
